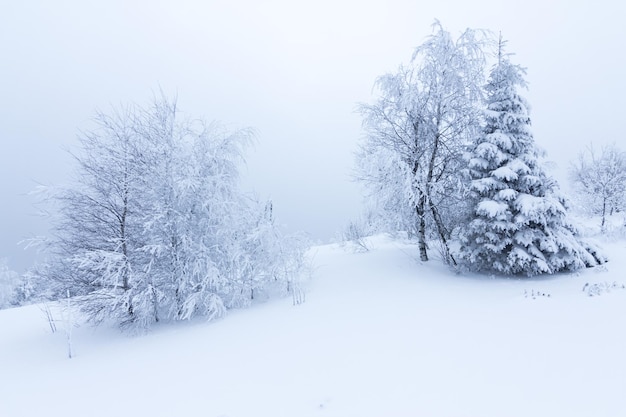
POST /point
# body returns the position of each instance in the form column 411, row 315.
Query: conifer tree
column 519, row 223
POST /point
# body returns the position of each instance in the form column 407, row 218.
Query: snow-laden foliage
column 415, row 133
column 9, row 284
column 520, row 223
column 600, row 181
column 154, row 226
column 16, row 289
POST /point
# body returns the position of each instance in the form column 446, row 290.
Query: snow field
column 380, row 334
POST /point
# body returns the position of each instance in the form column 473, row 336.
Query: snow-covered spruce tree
column 415, row 134
column 520, row 224
column 154, row 226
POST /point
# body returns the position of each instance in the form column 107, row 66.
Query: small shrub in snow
column 534, row 294
column 52, row 322
column 601, row 288
column 355, row 234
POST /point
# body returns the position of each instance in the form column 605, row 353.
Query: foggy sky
column 292, row 70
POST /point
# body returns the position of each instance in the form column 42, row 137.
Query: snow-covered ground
column 380, row 334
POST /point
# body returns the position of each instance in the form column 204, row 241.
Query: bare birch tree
column 416, row 131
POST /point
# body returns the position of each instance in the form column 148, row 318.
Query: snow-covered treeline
column 155, row 227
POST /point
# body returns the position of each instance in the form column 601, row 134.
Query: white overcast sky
column 293, row 70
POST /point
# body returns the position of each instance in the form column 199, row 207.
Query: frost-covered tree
column 10, row 282
column 600, row 180
column 155, row 227
column 415, row 133
column 519, row 224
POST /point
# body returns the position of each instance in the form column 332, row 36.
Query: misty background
column 294, row 71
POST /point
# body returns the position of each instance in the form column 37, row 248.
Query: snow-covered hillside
column 380, row 334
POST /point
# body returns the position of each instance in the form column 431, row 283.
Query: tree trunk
column 155, row 304
column 421, row 227
column 420, row 210
column 441, row 231
column 425, row 199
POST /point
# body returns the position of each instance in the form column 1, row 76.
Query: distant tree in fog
column 599, row 180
